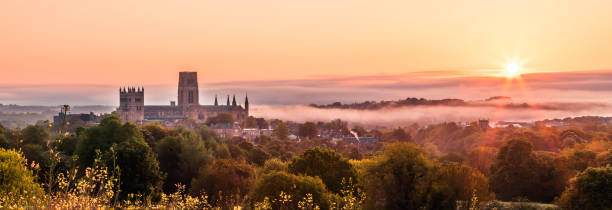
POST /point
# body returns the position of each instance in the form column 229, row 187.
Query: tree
column 16, row 179
column 153, row 132
column 590, row 189
column 281, row 131
column 326, row 164
column 271, row 185
column 34, row 134
column 168, row 150
column 519, row 172
column 250, row 122
column 222, row 117
column 401, row 135
column 181, row 157
column 308, row 130
column 274, row 164
column 482, row 158
column 224, row 181
column 457, row 182
column 401, row 178
column 193, row 156
column 140, row 172
column 139, row 169
column 102, row 137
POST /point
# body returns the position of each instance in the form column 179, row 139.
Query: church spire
column 228, row 100
column 246, row 103
column 234, row 101
column 216, row 103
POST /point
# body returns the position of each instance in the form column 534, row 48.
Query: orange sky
column 145, row 42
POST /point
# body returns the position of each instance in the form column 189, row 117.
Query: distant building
column 133, row 109
column 360, row 140
column 227, row 130
column 483, row 124
column 503, row 124
column 69, row 122
column 252, row 133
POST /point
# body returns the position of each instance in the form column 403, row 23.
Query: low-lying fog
column 420, row 114
column 549, row 95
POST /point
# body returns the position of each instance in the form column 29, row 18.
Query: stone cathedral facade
column 132, row 107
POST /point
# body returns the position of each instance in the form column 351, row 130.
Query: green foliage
column 308, row 130
column 519, row 172
column 253, row 154
column 250, row 122
column 16, row 180
column 168, row 150
column 275, row 164
column 449, row 137
column 153, row 133
column 223, row 117
column 139, row 167
column 140, row 172
column 287, row 189
column 110, row 131
column 455, row 183
column 326, row 164
column 34, row 134
column 401, row 135
column 281, row 131
column 590, row 189
column 4, row 143
column 226, row 181
column 398, row 179
column 193, row 156
column 181, row 157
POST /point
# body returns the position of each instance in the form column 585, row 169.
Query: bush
column 225, row 181
column 325, row 164
column 274, row 164
column 139, row 169
column 456, row 183
column 287, row 190
column 34, row 134
column 398, row 179
column 590, row 189
column 16, row 180
column 520, row 172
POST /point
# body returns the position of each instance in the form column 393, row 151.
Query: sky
column 287, row 54
column 146, row 42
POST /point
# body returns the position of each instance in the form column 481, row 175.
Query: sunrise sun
column 512, row 70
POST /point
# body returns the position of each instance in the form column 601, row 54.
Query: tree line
column 443, row 166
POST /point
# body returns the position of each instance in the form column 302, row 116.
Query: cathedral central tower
column 188, row 89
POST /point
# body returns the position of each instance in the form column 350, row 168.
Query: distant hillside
column 502, row 102
column 372, row 105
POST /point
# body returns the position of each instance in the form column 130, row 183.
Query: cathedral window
column 190, row 97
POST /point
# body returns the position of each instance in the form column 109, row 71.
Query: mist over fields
column 420, row 114
column 548, row 95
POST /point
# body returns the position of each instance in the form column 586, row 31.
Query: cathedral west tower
column 188, row 94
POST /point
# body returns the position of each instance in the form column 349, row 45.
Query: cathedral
column 132, row 108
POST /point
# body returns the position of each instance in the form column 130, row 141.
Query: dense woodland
column 442, row 166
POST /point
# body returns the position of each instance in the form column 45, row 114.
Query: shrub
column 326, row 164
column 287, row 190
column 590, row 189
column 16, row 180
